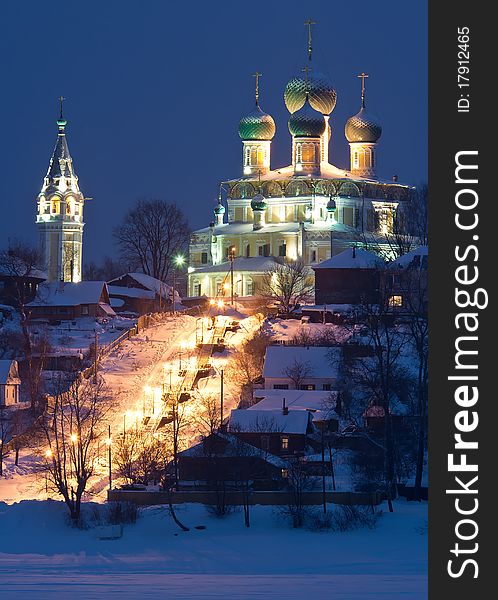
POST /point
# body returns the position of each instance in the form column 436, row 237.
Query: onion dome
column 322, row 95
column 219, row 209
column 306, row 122
column 257, row 125
column 363, row 127
column 331, row 206
column 258, row 203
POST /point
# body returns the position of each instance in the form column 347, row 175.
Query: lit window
column 396, row 300
column 284, row 443
column 285, row 473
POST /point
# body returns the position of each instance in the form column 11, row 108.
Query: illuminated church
column 307, row 210
column 59, row 216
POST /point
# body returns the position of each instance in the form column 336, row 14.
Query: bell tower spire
column 60, row 212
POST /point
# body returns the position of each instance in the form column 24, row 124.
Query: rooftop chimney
column 285, row 410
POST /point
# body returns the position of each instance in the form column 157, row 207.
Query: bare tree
column 20, row 262
column 106, row 270
column 73, row 427
column 298, row 482
column 298, row 371
column 247, row 362
column 380, row 375
column 410, row 228
column 140, row 456
column 151, row 234
column 208, row 416
column 287, row 283
column 5, row 436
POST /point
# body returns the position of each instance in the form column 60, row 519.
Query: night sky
column 155, row 90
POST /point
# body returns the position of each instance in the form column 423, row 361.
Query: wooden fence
column 145, row 498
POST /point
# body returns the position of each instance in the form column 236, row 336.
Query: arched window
column 308, row 153
column 355, row 159
column 247, row 156
column 299, row 153
column 55, row 205
column 261, row 155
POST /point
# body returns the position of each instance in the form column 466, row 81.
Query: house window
column 84, row 309
column 308, row 386
column 281, row 386
column 395, row 300
column 264, row 250
column 197, row 289
column 284, row 473
column 282, row 250
column 326, row 387
column 265, row 442
column 250, row 288
column 284, row 443
column 204, row 258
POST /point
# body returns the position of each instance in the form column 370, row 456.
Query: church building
column 59, row 217
column 308, row 210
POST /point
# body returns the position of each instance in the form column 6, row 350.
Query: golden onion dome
column 363, row 127
column 322, row 95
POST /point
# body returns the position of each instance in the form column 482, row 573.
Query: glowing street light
column 48, row 453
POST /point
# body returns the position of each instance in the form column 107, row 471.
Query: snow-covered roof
column 294, row 399
column 130, row 292
column 322, row 362
column 69, row 294
column 269, row 421
column 151, row 283
column 9, row 372
column 260, row 264
column 234, row 447
column 352, row 258
column 414, row 259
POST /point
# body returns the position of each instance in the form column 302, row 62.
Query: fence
column 144, row 498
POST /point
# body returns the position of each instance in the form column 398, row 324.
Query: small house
column 301, row 367
column 10, row 383
column 63, row 301
column 407, row 282
column 223, row 457
column 350, row 277
column 324, row 406
column 281, row 432
column 140, row 293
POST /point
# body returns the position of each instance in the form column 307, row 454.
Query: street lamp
column 331, row 208
column 231, row 258
column 109, row 446
column 178, row 261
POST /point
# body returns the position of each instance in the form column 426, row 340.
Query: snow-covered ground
column 41, row 557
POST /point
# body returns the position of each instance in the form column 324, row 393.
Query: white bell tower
column 60, row 213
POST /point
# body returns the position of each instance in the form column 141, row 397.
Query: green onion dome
column 322, row 95
column 257, row 125
column 331, row 206
column 306, row 122
column 258, row 203
column 363, row 128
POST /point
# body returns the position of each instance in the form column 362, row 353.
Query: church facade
column 308, row 210
column 59, row 216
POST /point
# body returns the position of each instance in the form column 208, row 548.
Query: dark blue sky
column 155, row 90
